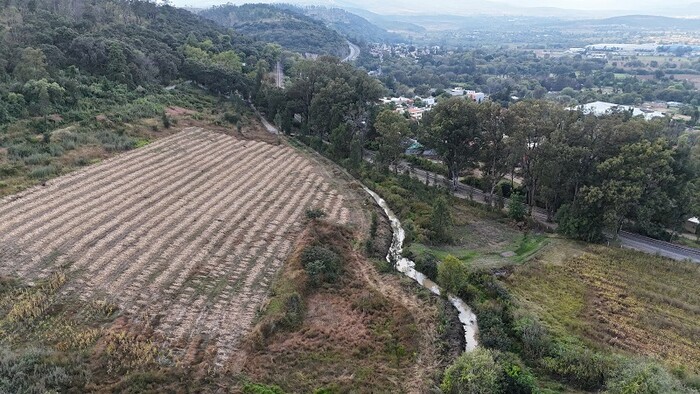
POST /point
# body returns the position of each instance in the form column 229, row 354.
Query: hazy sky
column 434, row 6
column 601, row 4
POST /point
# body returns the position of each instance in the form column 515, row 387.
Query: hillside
column 286, row 27
column 98, row 71
column 644, row 22
column 352, row 26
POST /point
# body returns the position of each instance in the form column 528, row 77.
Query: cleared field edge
column 189, row 230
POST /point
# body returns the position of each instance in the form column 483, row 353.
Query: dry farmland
column 186, row 233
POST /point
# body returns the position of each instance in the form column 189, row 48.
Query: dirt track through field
column 188, row 231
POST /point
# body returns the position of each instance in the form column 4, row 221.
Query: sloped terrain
column 186, row 233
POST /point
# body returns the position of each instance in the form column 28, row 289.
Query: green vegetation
column 356, row 28
column 321, row 264
column 287, row 27
column 505, row 71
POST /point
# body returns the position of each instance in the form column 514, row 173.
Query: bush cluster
column 321, row 264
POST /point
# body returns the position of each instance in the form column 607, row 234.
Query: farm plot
column 186, row 233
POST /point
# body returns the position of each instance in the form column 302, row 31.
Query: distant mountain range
column 478, row 7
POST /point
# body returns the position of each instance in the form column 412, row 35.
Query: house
column 416, row 148
column 691, row 225
column 476, row 96
column 428, row 101
column 416, row 113
column 457, row 92
column 600, row 108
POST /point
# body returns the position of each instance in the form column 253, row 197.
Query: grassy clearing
column 483, row 239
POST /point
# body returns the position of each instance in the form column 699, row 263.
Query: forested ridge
column 352, row 26
column 286, row 26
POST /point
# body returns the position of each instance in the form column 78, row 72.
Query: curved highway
column 354, row 52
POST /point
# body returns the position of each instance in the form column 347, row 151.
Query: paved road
column 279, row 76
column 653, row 246
column 354, row 53
column 626, row 239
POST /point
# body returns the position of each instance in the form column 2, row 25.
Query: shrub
column 232, row 118
column 7, row 170
column 321, row 264
column 374, row 225
column 165, row 119
column 316, row 213
column 516, row 207
column 536, row 342
column 494, row 328
column 473, row 372
column 440, row 220
column 579, row 366
column 38, row 371
column 38, row 159
column 44, row 172
column 115, row 141
column 453, row 274
column 516, row 378
column 643, row 377
column 580, row 223
column 427, row 264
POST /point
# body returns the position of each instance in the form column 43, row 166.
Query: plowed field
column 187, row 233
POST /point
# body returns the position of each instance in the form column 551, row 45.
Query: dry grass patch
column 351, row 336
column 618, row 299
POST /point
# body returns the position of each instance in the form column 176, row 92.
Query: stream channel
column 407, row 267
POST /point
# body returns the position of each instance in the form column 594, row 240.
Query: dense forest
column 285, row 26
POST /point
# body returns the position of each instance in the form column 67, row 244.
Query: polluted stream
column 407, row 267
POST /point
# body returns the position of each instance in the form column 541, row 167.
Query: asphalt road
column 279, row 76
column 354, row 53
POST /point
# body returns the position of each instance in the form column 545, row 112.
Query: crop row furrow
column 34, row 197
column 114, row 176
column 167, row 218
column 252, row 269
column 176, row 256
column 145, row 192
column 93, row 229
column 243, row 212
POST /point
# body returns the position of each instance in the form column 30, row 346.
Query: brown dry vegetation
column 616, row 299
column 366, row 333
column 184, row 235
